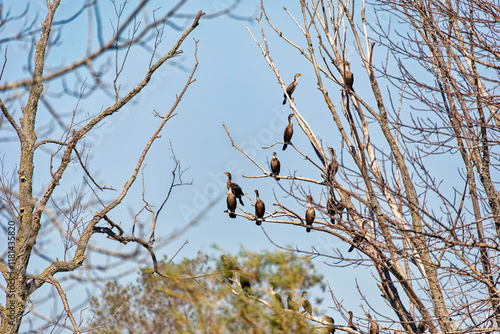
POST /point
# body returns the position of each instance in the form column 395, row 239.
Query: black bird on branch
column 374, row 329
column 231, row 204
column 359, row 237
column 234, row 188
column 310, row 214
column 305, row 303
column 331, row 169
column 275, row 166
column 348, row 76
column 290, row 303
column 227, row 268
column 260, row 209
column 276, row 295
column 287, row 135
column 329, row 322
column 291, row 87
column 350, row 324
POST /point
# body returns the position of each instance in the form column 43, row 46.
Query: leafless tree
column 49, row 111
column 415, row 191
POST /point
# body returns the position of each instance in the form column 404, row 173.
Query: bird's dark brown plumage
column 291, row 87
column 290, row 303
column 330, row 208
column 359, row 237
column 234, row 188
column 260, row 209
column 276, row 295
column 245, row 284
column 287, row 135
column 310, row 214
column 422, row 326
column 275, row 166
column 227, row 268
column 231, row 204
column 374, row 329
column 331, row 168
column 328, row 322
column 350, row 324
column 349, row 77
column 305, row 303
column 339, row 207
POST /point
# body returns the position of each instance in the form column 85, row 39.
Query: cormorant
column 359, row 236
column 350, row 324
column 228, row 268
column 287, row 135
column 234, row 188
column 260, row 209
column 275, row 166
column 331, row 168
column 291, row 87
column 245, row 284
column 290, row 303
column 231, row 204
column 334, row 207
column 422, row 327
column 276, row 295
column 310, row 214
column 340, row 208
column 348, row 76
column 305, row 303
column 374, row 329
column 329, row 321
column 330, row 208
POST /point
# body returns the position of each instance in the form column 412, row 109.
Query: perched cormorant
column 231, row 204
column 331, row 168
column 422, row 327
column 305, row 303
column 260, row 209
column 331, row 209
column 359, row 236
column 374, row 329
column 334, row 207
column 234, row 188
column 349, row 77
column 287, row 135
column 291, row 87
column 245, row 284
column 228, row 268
column 290, row 303
column 275, row 166
column 276, row 295
column 350, row 324
column 328, row 321
column 310, row 214
column 340, row 208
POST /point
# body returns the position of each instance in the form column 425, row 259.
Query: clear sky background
column 233, row 85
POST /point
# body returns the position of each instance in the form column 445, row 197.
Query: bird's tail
column 232, row 215
column 284, row 146
column 241, row 202
column 284, row 99
column 350, row 249
column 308, row 229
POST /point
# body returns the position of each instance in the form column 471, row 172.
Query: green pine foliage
column 200, row 298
